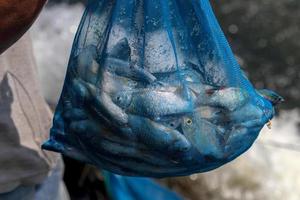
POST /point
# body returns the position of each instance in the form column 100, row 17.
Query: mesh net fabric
column 153, row 89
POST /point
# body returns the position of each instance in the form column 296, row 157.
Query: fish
column 101, row 80
column 170, row 140
column 229, row 98
column 271, row 96
column 154, row 102
column 117, row 61
column 207, row 138
column 89, row 64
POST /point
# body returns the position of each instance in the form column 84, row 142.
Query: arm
column 15, row 18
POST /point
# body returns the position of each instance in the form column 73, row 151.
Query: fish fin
column 212, row 89
column 196, row 68
column 144, row 75
column 121, row 50
column 185, row 92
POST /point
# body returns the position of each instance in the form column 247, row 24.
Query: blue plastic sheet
column 153, row 89
column 130, row 188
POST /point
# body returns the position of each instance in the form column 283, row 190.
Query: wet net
column 153, row 89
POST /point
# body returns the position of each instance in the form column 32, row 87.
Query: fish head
column 271, row 96
column 123, row 98
column 171, row 122
column 188, row 125
column 205, row 136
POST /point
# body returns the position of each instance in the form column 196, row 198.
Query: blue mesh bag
column 153, row 89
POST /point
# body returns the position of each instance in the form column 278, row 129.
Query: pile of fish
column 153, row 89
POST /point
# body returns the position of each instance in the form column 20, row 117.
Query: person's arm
column 16, row 16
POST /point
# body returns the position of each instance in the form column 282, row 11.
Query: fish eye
column 173, row 124
column 122, row 100
column 189, row 122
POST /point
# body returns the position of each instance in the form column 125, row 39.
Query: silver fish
column 205, row 136
column 154, row 103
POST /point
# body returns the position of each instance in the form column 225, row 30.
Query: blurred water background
column 265, row 36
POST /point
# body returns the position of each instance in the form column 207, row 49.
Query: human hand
column 15, row 19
